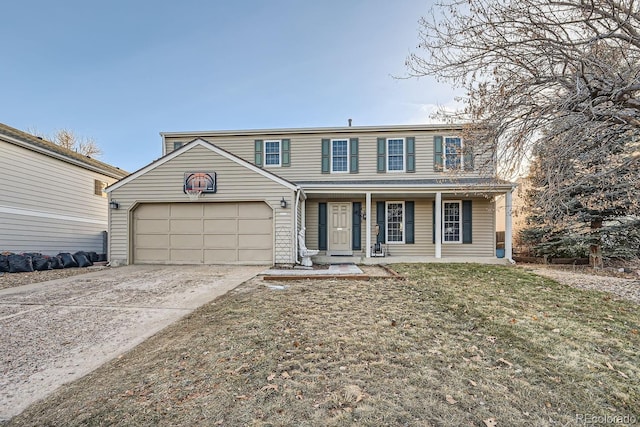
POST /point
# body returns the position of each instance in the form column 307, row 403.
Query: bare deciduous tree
column 557, row 79
column 70, row 140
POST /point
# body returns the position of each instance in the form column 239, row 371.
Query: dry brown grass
column 453, row 345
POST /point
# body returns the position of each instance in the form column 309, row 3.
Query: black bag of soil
column 41, row 263
column 68, row 261
column 82, row 259
column 4, row 264
column 56, row 263
column 20, row 264
column 93, row 256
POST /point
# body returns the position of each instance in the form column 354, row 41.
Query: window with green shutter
column 258, row 151
column 326, row 156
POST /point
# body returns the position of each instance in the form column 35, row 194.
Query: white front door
column 340, row 229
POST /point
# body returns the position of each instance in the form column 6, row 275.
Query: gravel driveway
column 57, row 331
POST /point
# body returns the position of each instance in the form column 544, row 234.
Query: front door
column 340, row 229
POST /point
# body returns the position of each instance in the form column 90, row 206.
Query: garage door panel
column 152, row 241
column 253, row 210
column 210, row 233
column 152, row 255
column 187, row 210
column 255, row 226
column 223, row 226
column 192, row 256
column 152, row 211
column 254, row 255
column 221, row 210
column 255, row 242
column 192, row 226
column 186, row 241
column 152, row 226
column 220, row 255
column 220, row 241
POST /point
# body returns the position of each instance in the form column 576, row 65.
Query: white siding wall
column 47, row 205
column 235, row 183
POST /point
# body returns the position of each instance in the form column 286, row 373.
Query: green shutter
column 433, row 223
column 286, row 152
column 382, row 158
column 354, row 155
column 437, row 153
column 381, row 221
column 468, row 157
column 322, row 226
column 409, row 222
column 325, row 155
column 466, row 222
column 411, row 154
column 356, row 232
column 258, row 152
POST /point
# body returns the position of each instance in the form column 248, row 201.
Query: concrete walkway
column 55, row 332
column 333, row 270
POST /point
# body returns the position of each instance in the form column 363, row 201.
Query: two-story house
column 413, row 193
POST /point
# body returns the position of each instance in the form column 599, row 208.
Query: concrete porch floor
column 359, row 259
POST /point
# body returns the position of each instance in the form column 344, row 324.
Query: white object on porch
column 305, row 253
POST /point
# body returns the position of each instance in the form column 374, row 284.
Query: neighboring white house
column 51, row 199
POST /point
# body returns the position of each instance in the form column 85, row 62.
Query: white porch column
column 367, row 225
column 508, row 227
column 438, row 209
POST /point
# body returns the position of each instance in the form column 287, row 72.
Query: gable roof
column 48, row 148
column 199, row 142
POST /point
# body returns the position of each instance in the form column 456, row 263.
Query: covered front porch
column 410, row 222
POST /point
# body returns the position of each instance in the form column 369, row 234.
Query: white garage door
column 203, row 233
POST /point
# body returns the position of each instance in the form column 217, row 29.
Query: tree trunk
column 595, row 250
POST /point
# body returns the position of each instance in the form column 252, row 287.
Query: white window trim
column 331, row 155
column 447, row 242
column 279, row 141
column 444, row 153
column 404, row 155
column 386, row 222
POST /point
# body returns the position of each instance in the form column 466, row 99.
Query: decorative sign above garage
column 205, row 182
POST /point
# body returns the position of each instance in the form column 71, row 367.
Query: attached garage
column 203, row 233
column 248, row 215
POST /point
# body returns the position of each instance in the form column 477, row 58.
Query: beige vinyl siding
column 483, row 234
column 235, row 183
column 47, row 205
column 306, row 154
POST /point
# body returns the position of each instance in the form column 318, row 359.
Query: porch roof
column 449, row 184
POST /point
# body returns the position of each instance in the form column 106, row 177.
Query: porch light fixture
column 283, row 203
column 114, row 205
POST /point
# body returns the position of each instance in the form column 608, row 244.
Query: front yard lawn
column 452, row 345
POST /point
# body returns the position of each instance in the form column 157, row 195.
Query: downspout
column 295, row 225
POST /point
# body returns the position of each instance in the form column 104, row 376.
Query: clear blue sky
column 123, row 71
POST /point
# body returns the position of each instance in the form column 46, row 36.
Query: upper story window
column 453, row 158
column 272, row 153
column 450, row 153
column 177, row 144
column 339, row 155
column 395, row 154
